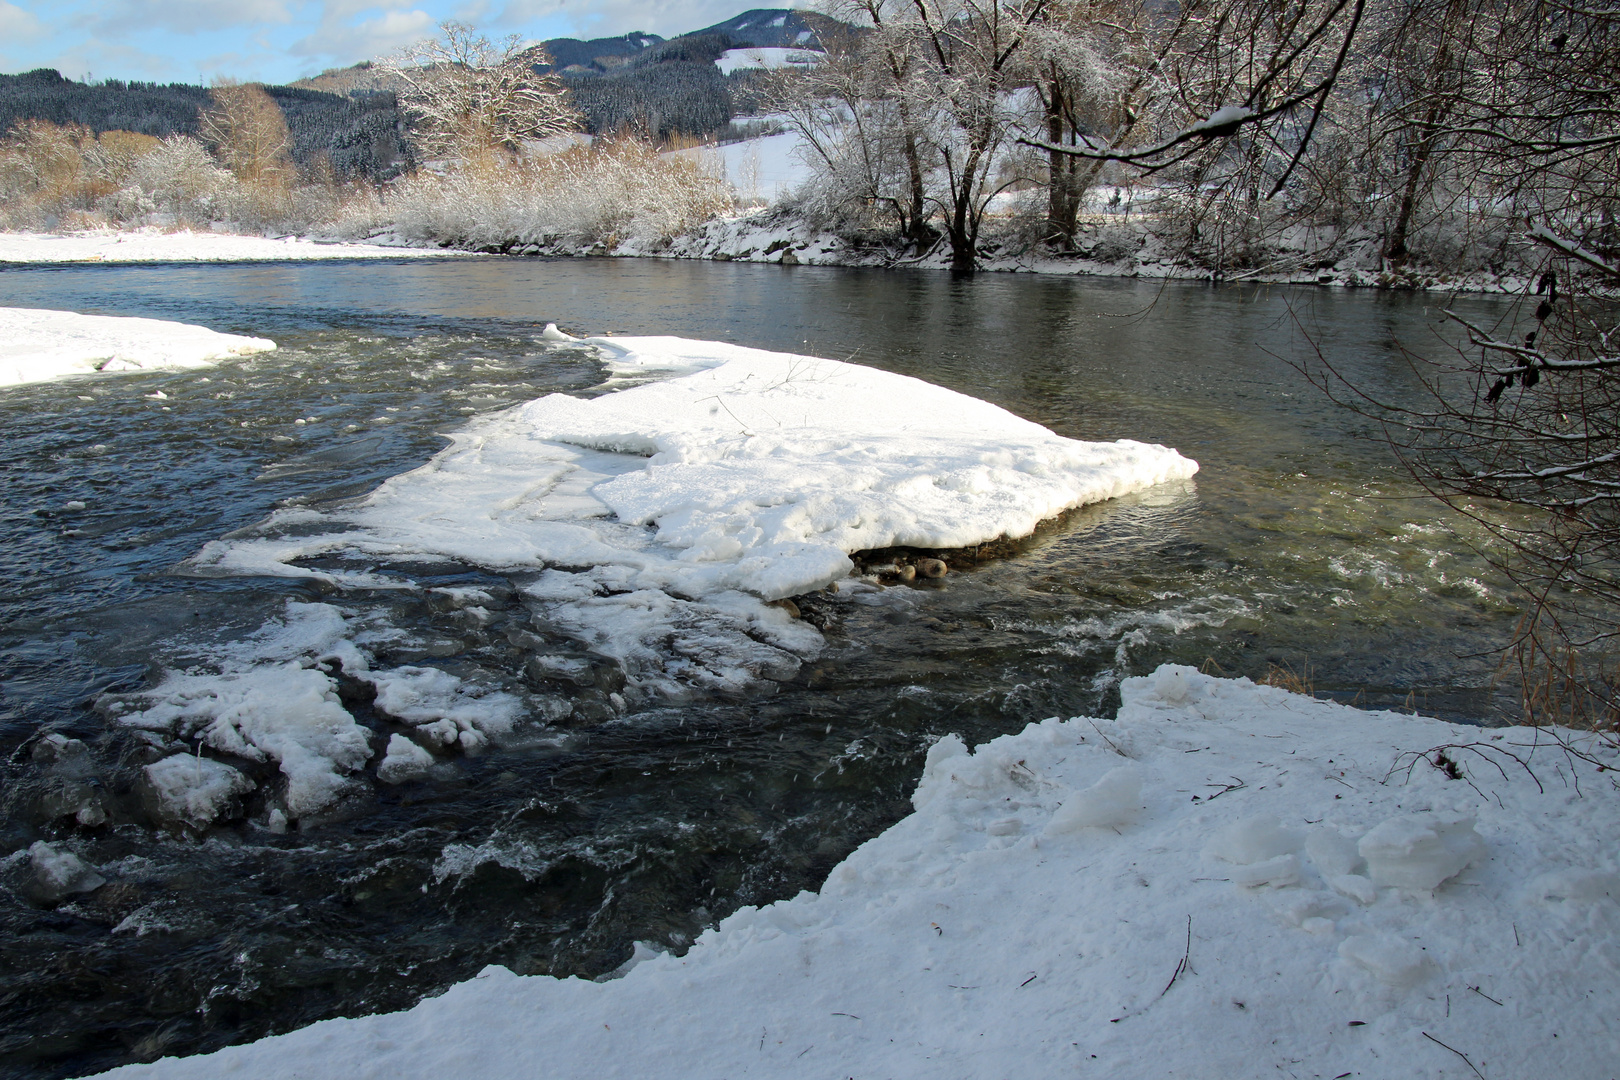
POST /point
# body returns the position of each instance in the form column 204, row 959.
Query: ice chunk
column 639, row 954
column 1419, row 851
column 1276, row 872
column 1392, row 960
column 1356, row 887
column 1300, row 907
column 1574, row 887
column 403, row 761
column 551, row 333
column 1254, row 840
column 1113, row 800
column 56, row 748
column 1333, row 853
column 1169, row 684
column 191, row 790
column 286, row 713
column 60, row 874
column 423, row 695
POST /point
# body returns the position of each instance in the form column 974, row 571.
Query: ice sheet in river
column 665, row 515
column 38, row 345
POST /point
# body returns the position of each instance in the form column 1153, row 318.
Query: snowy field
column 151, row 245
column 1225, row 881
column 39, row 345
column 762, row 169
column 767, row 57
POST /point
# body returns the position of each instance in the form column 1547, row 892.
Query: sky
column 278, row 41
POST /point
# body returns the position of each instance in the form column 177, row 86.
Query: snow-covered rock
column 969, row 940
column 191, row 790
column 39, row 345
column 60, row 874
column 404, row 761
column 273, row 697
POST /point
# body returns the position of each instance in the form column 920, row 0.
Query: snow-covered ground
column 152, row 245
column 38, row 345
column 1227, row 880
column 762, row 169
column 766, row 57
column 651, row 527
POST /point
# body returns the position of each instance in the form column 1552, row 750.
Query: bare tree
column 467, row 96
column 1521, row 430
column 248, row 132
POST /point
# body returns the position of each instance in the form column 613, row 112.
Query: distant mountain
column 774, row 27
column 674, row 87
column 639, row 82
column 603, row 53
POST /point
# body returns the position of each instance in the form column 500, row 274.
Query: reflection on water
column 1299, row 544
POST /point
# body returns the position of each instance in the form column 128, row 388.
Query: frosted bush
column 179, row 178
column 588, row 195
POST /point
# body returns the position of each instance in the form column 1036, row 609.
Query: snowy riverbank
column 39, row 345
column 1125, row 248
column 1226, row 880
column 153, row 245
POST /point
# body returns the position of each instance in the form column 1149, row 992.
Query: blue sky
column 277, row 41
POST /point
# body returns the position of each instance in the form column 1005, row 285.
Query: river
column 1299, row 545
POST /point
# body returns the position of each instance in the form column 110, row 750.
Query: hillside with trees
column 356, row 136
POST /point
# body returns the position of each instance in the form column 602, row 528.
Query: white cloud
column 185, row 16
column 609, row 18
column 17, row 24
column 343, row 43
column 94, row 57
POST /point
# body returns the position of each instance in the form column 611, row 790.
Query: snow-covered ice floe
column 39, row 345
column 648, row 530
column 153, row 245
column 1227, row 880
column 654, row 524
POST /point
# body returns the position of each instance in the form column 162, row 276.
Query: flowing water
column 1299, row 543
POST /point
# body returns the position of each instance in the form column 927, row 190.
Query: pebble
column 932, row 568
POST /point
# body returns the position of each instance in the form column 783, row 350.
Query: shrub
column 605, row 193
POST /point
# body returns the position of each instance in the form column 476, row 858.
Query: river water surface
column 1299, row 543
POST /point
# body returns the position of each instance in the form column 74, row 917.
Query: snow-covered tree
column 467, row 96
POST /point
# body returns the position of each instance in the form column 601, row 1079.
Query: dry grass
column 1285, row 677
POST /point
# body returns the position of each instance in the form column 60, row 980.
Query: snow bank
column 987, row 935
column 150, row 245
column 665, row 516
column 38, row 345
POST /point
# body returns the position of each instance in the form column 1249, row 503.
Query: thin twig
column 1459, row 1053
column 1184, row 964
